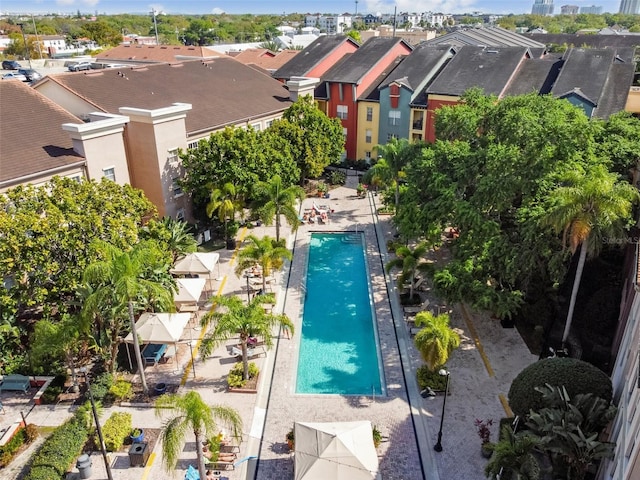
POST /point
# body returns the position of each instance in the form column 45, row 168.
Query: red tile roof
column 264, row 58
column 31, row 137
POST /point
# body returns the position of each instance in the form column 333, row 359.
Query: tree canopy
column 487, row 179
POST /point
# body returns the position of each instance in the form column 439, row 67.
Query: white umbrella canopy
column 196, row 263
column 336, row 450
column 189, row 290
column 160, row 327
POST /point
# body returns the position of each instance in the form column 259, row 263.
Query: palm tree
column 172, row 233
column 266, row 252
column 396, row 154
column 273, row 199
column 245, row 320
column 514, row 456
column 225, row 201
column 120, row 277
column 190, row 412
column 411, row 262
column 595, row 206
column 436, row 340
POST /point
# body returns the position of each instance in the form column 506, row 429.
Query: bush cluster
column 55, row 388
column 235, row 379
column 121, row 390
column 58, row 452
column 427, row 378
column 8, row 450
column 575, row 375
column 101, row 385
column 116, row 429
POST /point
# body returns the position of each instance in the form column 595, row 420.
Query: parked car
column 14, row 76
column 10, row 65
column 31, row 74
column 76, row 67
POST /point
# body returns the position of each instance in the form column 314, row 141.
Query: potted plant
column 322, row 189
column 232, row 230
column 137, row 435
column 377, row 436
column 290, row 439
column 483, row 428
column 361, row 190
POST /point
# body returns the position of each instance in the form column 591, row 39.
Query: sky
column 286, row 6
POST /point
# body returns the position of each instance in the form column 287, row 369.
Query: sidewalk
column 410, row 422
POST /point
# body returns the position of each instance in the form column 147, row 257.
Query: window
column 367, row 155
column 369, row 114
column 172, row 155
column 367, row 135
column 394, row 117
column 193, row 144
column 109, row 173
column 176, row 188
column 343, row 111
column 180, row 214
column 390, row 136
column 268, row 123
column 344, row 134
column 418, row 118
column 77, row 178
column 256, row 126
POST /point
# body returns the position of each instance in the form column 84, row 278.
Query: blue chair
column 192, row 473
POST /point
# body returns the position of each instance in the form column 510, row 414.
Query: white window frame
column 343, row 112
column 368, row 135
column 176, row 188
column 369, row 114
column 395, row 116
column 193, row 145
column 256, row 126
column 110, row 176
column 367, row 155
column 172, row 156
column 345, row 132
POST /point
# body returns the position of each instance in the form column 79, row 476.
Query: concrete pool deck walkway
column 409, row 422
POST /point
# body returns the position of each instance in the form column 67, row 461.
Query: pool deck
column 481, row 371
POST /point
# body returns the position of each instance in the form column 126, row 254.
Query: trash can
column 138, row 454
column 84, row 466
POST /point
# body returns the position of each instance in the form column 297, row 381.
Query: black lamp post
column 438, row 446
column 248, row 290
column 98, row 429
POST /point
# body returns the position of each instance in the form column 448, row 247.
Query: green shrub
column 121, row 390
column 8, row 450
column 116, row 429
column 50, row 395
column 235, row 380
column 337, row 178
column 575, row 375
column 101, row 385
column 57, row 453
column 427, row 378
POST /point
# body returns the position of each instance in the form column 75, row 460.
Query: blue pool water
column 338, row 347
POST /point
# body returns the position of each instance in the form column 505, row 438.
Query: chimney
column 300, row 86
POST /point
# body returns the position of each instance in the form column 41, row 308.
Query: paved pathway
column 410, row 422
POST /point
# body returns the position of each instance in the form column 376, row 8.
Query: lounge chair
column 251, row 352
column 220, row 466
column 416, row 308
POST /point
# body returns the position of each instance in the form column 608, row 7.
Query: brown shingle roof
column 155, row 53
column 221, row 91
column 31, row 137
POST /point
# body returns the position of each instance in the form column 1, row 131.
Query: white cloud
column 217, row 11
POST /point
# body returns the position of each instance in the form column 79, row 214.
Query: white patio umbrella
column 199, row 263
column 336, row 450
column 189, row 290
column 160, row 328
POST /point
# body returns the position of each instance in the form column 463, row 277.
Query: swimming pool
column 338, row 351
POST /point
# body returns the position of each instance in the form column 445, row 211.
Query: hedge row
column 58, row 452
column 114, row 431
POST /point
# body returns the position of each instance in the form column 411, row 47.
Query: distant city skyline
column 287, row 6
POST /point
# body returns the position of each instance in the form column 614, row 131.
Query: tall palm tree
column 436, row 340
column 266, row 252
column 274, row 199
column 593, row 207
column 191, row 413
column 224, row 200
column 246, row 320
column 411, row 262
column 120, row 277
column 396, row 154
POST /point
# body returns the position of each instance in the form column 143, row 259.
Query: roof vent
column 492, row 51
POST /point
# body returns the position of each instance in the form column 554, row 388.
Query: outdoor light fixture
column 438, row 446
